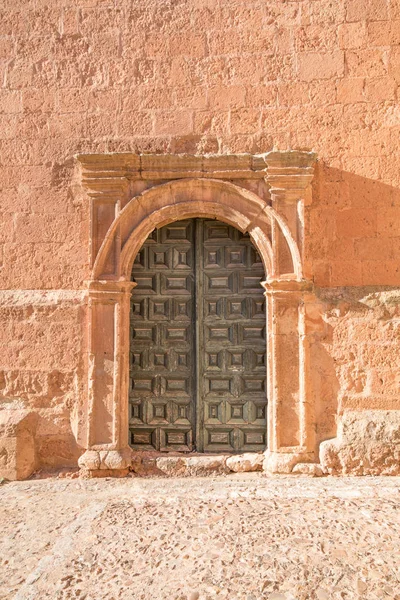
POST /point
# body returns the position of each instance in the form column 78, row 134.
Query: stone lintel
column 105, row 172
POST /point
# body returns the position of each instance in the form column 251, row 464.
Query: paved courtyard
column 236, row 537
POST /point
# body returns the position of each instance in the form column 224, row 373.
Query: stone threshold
column 194, row 464
column 148, row 463
column 152, row 463
column 203, row 465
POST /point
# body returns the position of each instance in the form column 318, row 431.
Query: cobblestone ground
column 230, row 537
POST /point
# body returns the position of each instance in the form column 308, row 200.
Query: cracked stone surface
column 239, row 537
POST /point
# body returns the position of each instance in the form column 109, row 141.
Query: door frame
column 129, row 196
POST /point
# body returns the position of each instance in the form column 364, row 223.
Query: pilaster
column 290, row 423
column 108, row 376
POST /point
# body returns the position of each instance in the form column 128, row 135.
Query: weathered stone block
column 310, row 469
column 94, row 460
column 368, row 443
column 17, row 444
column 200, row 466
column 250, row 461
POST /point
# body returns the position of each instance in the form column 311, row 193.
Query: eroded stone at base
column 276, row 463
column 145, row 465
column 101, row 473
column 17, row 444
column 249, row 461
column 94, row 460
column 173, row 466
column 95, row 463
column 102, row 463
column 368, row 443
column 192, row 466
column 310, row 469
column 90, row 460
column 149, row 464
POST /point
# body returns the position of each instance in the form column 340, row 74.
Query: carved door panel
column 231, row 320
column 163, row 385
column 198, row 364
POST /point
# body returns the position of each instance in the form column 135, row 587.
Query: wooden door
column 198, row 367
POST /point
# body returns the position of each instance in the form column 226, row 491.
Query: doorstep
column 195, row 465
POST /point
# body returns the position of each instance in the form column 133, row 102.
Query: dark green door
column 198, row 365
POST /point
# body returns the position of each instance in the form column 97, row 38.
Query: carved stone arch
column 131, row 195
column 186, row 198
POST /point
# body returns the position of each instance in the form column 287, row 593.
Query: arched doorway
column 198, row 349
column 130, row 196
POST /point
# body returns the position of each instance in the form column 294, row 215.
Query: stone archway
column 187, row 198
column 122, row 219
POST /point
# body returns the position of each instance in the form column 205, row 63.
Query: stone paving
column 238, row 537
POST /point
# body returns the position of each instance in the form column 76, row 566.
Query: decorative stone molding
column 131, row 195
column 112, row 180
column 289, row 175
column 179, row 199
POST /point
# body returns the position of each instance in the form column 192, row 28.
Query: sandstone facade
column 116, row 118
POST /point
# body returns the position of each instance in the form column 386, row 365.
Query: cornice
column 290, row 173
column 101, row 172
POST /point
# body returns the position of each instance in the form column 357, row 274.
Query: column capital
column 107, row 288
column 289, row 173
column 289, row 286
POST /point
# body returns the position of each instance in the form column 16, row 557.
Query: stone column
column 291, row 438
column 289, row 175
column 108, row 451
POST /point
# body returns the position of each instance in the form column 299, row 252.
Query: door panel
column 162, row 396
column 198, row 365
column 231, row 313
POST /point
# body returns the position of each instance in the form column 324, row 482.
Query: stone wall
column 199, row 76
column 43, row 351
column 355, row 353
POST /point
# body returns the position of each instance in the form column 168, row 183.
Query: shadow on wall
column 352, row 230
column 355, row 366
column 325, row 385
column 352, row 253
column 355, row 360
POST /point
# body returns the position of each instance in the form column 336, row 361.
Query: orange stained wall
column 196, row 76
column 200, row 76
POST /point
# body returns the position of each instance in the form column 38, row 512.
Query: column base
column 105, row 463
column 101, row 473
column 284, row 462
